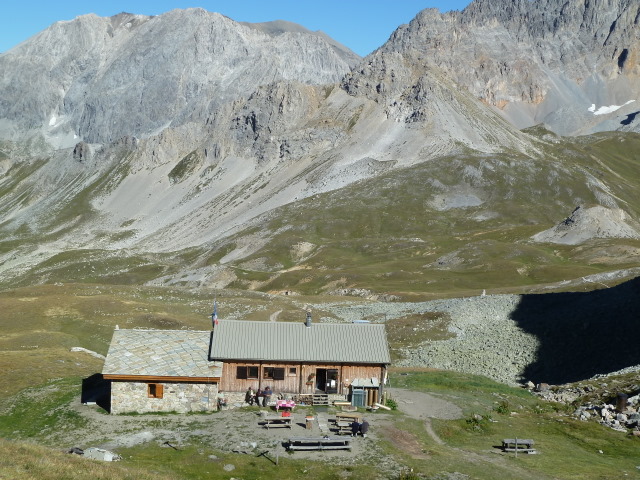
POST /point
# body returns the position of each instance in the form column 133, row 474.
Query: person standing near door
column 266, row 396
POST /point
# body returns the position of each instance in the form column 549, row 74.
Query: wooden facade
column 296, row 377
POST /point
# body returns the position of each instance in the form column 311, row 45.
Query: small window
column 273, row 373
column 244, row 373
column 155, row 390
column 293, row 371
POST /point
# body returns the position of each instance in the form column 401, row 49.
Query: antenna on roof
column 214, row 314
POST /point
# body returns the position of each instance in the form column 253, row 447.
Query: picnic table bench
column 319, row 443
column 343, row 427
column 277, row 422
column 524, row 445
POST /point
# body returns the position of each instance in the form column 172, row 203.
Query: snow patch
column 604, row 110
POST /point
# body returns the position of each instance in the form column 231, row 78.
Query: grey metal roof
column 287, row 341
column 172, row 353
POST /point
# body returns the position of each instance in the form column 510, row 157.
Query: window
column 244, row 373
column 273, row 373
column 293, row 371
column 155, row 390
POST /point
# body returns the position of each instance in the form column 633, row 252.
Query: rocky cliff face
column 100, row 79
column 536, row 62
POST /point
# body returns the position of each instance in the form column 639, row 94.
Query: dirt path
column 423, row 406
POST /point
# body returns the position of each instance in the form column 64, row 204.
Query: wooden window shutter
column 241, row 373
column 155, row 390
column 278, row 373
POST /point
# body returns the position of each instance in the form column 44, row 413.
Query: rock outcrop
column 588, row 223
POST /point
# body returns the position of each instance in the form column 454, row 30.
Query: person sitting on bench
column 364, row 428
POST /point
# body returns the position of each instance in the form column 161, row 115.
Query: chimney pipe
column 307, row 322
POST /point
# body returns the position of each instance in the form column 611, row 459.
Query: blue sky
column 362, row 25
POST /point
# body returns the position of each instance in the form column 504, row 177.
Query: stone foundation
column 129, row 397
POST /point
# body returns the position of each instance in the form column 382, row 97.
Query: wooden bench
column 319, row 443
column 277, row 422
column 344, row 428
column 524, row 445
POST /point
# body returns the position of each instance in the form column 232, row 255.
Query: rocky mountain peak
column 103, row 78
column 536, row 62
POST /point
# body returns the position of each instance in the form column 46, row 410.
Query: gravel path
column 421, row 405
column 424, row 407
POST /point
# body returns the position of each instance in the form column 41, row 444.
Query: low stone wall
column 128, row 397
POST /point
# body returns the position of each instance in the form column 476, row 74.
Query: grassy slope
column 389, row 235
column 40, row 324
column 26, row 461
column 568, row 448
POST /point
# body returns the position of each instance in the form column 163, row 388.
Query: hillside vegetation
column 450, row 226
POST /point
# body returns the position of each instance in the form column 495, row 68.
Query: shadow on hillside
column 582, row 334
column 96, row 389
column 630, row 118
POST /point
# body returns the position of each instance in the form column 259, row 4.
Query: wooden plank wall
column 295, row 383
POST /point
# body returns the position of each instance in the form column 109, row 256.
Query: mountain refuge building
column 187, row 371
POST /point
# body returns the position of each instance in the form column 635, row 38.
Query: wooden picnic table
column 524, row 445
column 319, row 443
column 277, row 422
column 349, row 417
